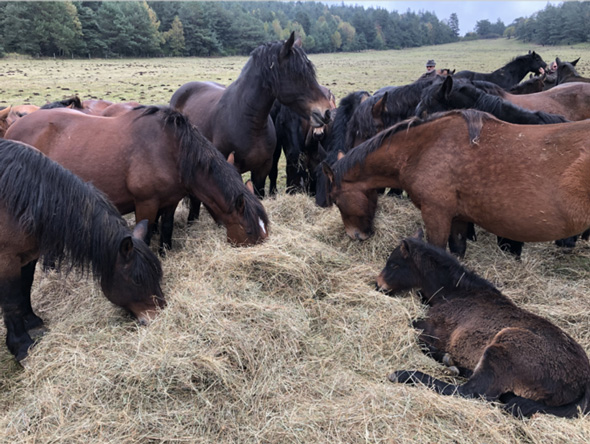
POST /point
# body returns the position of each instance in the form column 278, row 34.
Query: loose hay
column 281, row 342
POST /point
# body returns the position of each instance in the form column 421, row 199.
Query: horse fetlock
column 447, row 360
column 452, row 371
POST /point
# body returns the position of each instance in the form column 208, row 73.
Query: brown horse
column 11, row 114
column 45, row 210
column 237, row 118
column 509, row 354
column 522, row 182
column 147, row 160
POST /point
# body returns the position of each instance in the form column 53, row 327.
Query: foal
column 509, row 354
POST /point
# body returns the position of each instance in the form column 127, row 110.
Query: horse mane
column 197, row 155
column 72, row 221
column 344, row 112
column 73, row 102
column 431, row 259
column 267, row 58
column 474, row 119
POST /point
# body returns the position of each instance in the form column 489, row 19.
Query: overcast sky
column 468, row 12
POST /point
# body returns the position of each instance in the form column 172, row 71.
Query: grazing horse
column 532, row 85
column 566, row 72
column 522, row 182
column 11, row 114
column 507, row 353
column 146, row 160
column 45, row 210
column 237, row 118
column 510, row 74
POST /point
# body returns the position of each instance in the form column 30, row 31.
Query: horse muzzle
column 318, row 118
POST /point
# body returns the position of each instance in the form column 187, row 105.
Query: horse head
column 535, row 62
column 246, row 222
column 399, row 273
column 357, row 205
column 135, row 280
column 293, row 80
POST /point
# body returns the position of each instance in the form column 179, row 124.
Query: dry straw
column 284, row 342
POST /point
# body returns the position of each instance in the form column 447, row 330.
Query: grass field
column 284, row 342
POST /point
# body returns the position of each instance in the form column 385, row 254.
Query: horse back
column 198, row 101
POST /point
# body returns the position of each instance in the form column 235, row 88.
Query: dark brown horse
column 509, row 354
column 522, row 182
column 566, row 72
column 146, row 160
column 510, row 74
column 237, row 118
column 45, row 210
column 532, row 85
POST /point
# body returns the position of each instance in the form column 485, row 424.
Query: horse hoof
column 447, row 360
column 37, row 332
column 452, row 371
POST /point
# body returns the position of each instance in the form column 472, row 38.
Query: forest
column 178, row 29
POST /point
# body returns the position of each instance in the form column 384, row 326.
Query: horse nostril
column 327, row 116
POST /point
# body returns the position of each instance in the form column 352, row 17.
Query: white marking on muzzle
column 261, row 225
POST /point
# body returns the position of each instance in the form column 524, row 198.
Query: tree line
column 148, row 29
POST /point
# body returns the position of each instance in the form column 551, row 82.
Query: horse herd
column 458, row 143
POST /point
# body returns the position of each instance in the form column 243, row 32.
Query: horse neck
column 251, row 97
column 516, row 69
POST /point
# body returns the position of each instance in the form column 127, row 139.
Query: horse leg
column 568, row 242
column 438, row 225
column 273, row 174
column 194, row 209
column 167, row 221
column 510, row 246
column 14, row 307
column 33, row 323
column 458, row 238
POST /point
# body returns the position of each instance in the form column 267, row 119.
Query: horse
column 73, row 102
column 521, row 182
column 46, row 211
column 236, row 119
column 510, row 74
column 454, row 94
column 507, row 353
column 11, row 114
column 146, row 160
column 566, row 72
column 532, row 85
column 301, row 144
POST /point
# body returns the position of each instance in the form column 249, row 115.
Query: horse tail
column 519, row 406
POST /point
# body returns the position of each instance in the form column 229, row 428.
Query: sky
column 468, row 12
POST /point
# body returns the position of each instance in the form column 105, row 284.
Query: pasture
column 282, row 342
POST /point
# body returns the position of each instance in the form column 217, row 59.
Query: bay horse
column 510, row 74
column 11, row 114
column 236, row 119
column 566, row 72
column 146, row 160
column 507, row 353
column 46, row 211
column 521, row 182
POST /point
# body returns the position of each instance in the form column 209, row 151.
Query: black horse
column 508, row 354
column 566, row 72
column 47, row 211
column 510, row 74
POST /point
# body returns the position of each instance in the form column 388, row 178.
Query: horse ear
column 575, row 62
column 404, row 249
column 288, row 45
column 250, row 186
column 419, row 234
column 5, row 112
column 379, row 107
column 557, row 61
column 240, row 204
column 231, row 158
column 446, row 87
column 126, row 247
column 140, row 230
column 328, row 171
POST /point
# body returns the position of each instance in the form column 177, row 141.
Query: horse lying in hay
column 522, row 182
column 146, row 160
column 45, row 210
column 509, row 354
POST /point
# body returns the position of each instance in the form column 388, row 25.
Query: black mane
column 73, row 102
column 72, row 221
column 473, row 118
column 431, row 259
column 199, row 156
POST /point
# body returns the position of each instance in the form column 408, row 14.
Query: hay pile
column 282, row 342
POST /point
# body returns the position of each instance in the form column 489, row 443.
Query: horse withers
column 46, row 211
column 507, row 353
